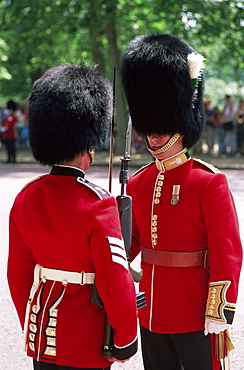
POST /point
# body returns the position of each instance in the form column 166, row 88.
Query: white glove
column 212, row 326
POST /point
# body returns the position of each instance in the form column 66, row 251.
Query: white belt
column 66, row 277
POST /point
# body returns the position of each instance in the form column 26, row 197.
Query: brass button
column 51, row 341
column 154, row 229
column 213, row 290
column 154, row 236
column 33, row 318
column 51, row 332
column 154, row 217
column 54, row 312
column 158, row 188
column 158, row 195
column 52, row 322
column 161, row 177
column 32, row 336
column 156, row 201
column 210, row 312
column 160, row 183
column 154, row 223
column 32, row 346
column 34, row 308
column 33, row 328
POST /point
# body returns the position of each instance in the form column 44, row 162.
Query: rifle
column 125, row 202
column 125, row 211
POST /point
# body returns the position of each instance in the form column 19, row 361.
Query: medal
column 175, row 194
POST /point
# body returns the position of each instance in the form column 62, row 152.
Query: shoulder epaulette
column 143, row 167
column 207, row 165
column 101, row 193
column 33, row 180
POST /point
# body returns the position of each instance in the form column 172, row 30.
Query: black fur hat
column 159, row 89
column 12, row 105
column 70, row 108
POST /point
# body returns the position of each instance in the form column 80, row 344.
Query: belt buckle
column 82, row 278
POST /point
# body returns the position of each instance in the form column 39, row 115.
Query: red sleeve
column 113, row 279
column 21, row 263
column 223, row 234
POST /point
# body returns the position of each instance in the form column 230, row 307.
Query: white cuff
column 215, row 327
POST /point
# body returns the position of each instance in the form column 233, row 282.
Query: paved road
column 12, row 178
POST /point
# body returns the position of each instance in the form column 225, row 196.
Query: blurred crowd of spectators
column 224, row 131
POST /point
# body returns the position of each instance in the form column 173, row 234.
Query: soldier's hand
column 215, row 327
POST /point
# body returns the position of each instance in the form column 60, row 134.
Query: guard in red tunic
column 65, row 235
column 9, row 132
column 184, row 218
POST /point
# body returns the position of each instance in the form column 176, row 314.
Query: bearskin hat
column 70, row 108
column 159, row 90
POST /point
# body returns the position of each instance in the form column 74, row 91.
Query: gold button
column 154, row 223
column 154, row 236
column 211, row 307
column 210, row 312
column 160, row 183
column 213, row 296
column 213, row 290
column 155, row 242
column 154, row 229
column 154, row 217
column 52, row 322
column 156, row 201
column 32, row 337
column 51, row 341
column 54, row 312
column 212, row 301
column 32, row 346
column 158, row 195
column 161, row 177
column 158, row 188
column 34, row 308
column 33, row 328
column 33, row 318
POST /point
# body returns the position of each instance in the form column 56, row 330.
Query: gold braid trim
column 216, row 302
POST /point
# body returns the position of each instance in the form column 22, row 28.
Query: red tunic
column 10, row 121
column 59, row 222
column 204, row 218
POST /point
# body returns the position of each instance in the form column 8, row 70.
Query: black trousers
column 186, row 351
column 11, row 149
column 40, row 365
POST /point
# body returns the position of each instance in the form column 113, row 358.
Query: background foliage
column 35, row 35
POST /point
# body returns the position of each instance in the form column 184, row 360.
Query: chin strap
column 166, row 146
